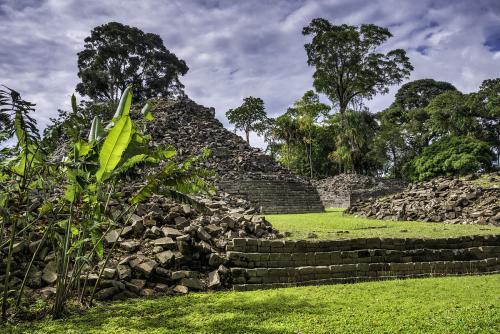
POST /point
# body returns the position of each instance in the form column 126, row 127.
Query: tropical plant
column 309, row 110
column 80, row 218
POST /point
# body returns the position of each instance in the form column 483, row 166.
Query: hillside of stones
column 473, row 200
column 243, row 172
column 190, row 127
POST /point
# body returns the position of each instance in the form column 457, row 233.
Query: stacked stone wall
column 256, row 264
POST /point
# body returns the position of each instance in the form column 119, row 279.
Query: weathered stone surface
column 106, row 293
column 342, row 190
column 214, row 279
column 165, row 242
column 440, row 200
column 165, row 258
column 49, row 274
column 181, row 289
column 193, row 283
column 130, row 246
column 124, row 272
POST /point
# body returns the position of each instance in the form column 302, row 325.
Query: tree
column 451, row 155
column 486, row 102
column 309, row 109
column 116, row 55
column 405, row 129
column 250, row 116
column 419, row 93
column 348, row 65
column 451, row 114
column 354, row 133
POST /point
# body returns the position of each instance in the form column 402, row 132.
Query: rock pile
column 440, row 200
column 242, row 171
column 165, row 248
column 341, row 190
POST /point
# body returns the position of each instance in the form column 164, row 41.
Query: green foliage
column 451, row 156
column 250, row 116
column 348, row 63
column 77, row 221
column 116, row 56
column 354, row 133
column 450, row 114
column 309, row 110
column 72, row 125
column 425, row 111
column 419, row 93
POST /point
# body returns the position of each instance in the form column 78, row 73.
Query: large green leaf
column 114, row 145
column 125, row 103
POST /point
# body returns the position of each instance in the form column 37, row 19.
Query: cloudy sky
column 240, row 48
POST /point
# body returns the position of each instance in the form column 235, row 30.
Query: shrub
column 451, row 156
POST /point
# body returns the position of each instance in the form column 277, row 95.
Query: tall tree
column 116, row 55
column 487, row 103
column 250, row 116
column 419, row 93
column 348, row 63
column 309, row 109
column 405, row 129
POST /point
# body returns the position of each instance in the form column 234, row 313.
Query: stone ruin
column 169, row 248
column 439, row 200
column 342, row 190
column 242, row 171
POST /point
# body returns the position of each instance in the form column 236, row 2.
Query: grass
column 433, row 305
column 333, row 224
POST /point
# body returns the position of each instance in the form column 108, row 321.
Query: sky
column 240, row 48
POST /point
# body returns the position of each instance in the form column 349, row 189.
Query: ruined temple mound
column 440, row 200
column 340, row 191
column 242, row 171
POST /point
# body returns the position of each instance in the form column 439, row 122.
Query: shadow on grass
column 195, row 313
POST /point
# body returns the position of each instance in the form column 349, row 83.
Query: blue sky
column 239, row 48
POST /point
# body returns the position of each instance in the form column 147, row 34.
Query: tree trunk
column 310, row 160
column 247, row 134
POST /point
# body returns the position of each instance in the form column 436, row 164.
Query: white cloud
column 240, row 48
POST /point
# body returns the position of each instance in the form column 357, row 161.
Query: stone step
column 278, row 260
column 311, row 246
column 348, row 271
column 357, row 279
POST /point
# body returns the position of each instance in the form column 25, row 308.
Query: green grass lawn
column 333, row 224
column 433, row 305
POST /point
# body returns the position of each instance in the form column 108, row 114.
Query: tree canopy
column 348, row 63
column 419, row 93
column 250, row 116
column 116, row 55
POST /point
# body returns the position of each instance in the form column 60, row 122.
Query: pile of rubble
column 240, row 170
column 166, row 247
column 340, row 191
column 440, row 200
column 349, row 182
column 190, row 127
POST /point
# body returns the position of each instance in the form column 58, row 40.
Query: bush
column 451, row 156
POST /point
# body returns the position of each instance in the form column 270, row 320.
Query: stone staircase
column 276, row 195
column 260, row 264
